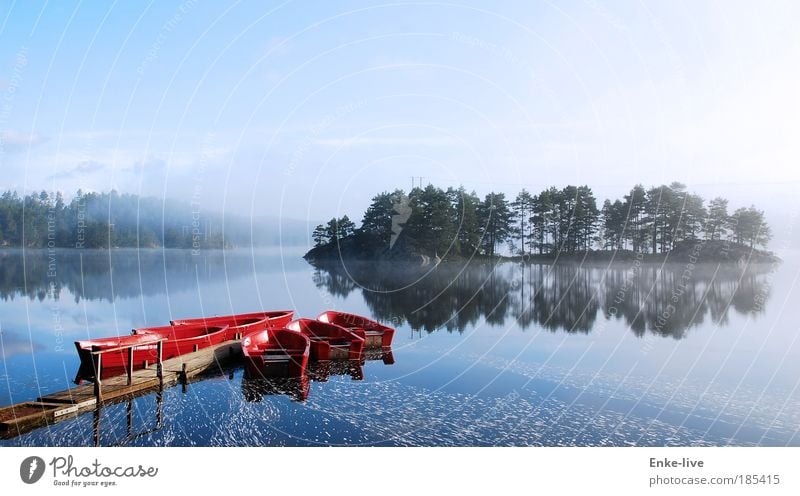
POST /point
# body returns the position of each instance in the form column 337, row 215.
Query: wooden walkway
column 23, row 417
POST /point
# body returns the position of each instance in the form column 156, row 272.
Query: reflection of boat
column 385, row 355
column 254, row 389
column 321, row 371
column 243, row 323
column 276, row 352
column 329, row 341
column 375, row 333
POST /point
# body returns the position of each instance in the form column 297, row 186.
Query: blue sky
column 307, row 109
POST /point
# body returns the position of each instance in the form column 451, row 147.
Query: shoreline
column 691, row 252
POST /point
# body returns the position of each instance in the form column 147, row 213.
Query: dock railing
column 97, row 362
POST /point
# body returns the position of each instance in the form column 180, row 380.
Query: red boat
column 115, row 362
column 176, row 341
column 244, row 323
column 183, row 339
column 276, row 352
column 329, row 341
column 375, row 333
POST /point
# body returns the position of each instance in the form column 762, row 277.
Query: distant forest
column 456, row 223
column 102, row 220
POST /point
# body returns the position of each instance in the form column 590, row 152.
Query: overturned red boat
column 375, row 333
column 244, row 323
column 329, row 341
column 276, row 353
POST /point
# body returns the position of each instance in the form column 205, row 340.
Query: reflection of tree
column 663, row 299
column 671, row 299
column 88, row 274
column 563, row 297
column 450, row 296
column 337, row 283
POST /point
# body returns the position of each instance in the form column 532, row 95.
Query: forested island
column 434, row 224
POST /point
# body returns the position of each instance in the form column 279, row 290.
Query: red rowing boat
column 329, row 341
column 182, row 339
column 242, row 324
column 375, row 333
column 276, row 352
column 177, row 341
column 115, row 362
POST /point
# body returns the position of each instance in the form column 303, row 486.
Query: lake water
column 571, row 354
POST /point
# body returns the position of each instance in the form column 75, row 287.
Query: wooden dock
column 23, row 417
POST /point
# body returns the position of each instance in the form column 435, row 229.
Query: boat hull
column 375, row 334
column 329, row 341
column 113, row 361
column 276, row 353
column 242, row 324
column 180, row 340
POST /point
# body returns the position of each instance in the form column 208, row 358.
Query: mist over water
column 485, row 354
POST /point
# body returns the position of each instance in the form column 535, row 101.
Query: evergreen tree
column 718, row 220
column 750, row 228
column 320, row 235
column 522, row 212
column 495, row 217
column 468, row 236
column 634, row 224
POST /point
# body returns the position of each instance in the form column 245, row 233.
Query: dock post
column 96, row 425
column 184, row 378
column 130, row 365
column 159, row 406
column 98, row 370
column 160, row 366
column 130, row 416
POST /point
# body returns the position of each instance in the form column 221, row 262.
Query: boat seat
column 277, row 358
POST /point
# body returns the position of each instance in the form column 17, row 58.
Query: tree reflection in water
column 665, row 299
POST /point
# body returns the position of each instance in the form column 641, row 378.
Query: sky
column 306, row 110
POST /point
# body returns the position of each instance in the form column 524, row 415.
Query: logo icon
column 402, row 211
column 31, row 470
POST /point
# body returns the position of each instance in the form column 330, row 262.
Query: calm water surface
column 571, row 354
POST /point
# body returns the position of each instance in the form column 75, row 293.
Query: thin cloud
column 15, row 343
column 13, row 140
column 421, row 141
column 81, row 170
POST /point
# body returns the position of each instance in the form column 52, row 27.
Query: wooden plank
column 20, row 418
